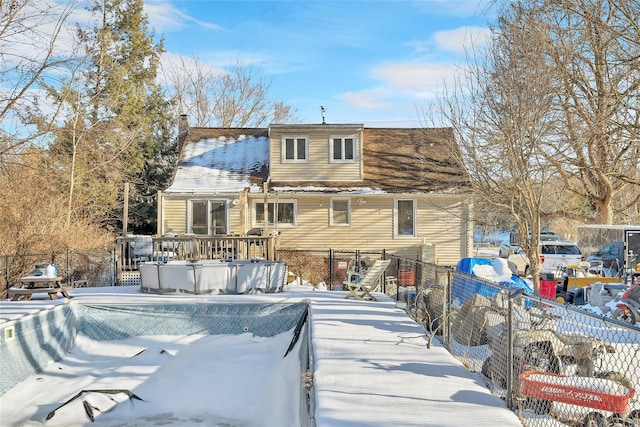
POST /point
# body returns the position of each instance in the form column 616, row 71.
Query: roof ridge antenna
column 322, row 111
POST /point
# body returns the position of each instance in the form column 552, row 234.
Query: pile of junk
column 612, row 295
column 575, row 285
column 543, row 368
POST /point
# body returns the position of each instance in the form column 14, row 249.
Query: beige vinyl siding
column 174, row 215
column 235, row 219
column 318, row 166
column 439, row 223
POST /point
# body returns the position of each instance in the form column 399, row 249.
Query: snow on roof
column 409, row 161
column 314, row 189
column 223, row 164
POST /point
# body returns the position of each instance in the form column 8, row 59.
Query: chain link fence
column 554, row 364
column 327, row 266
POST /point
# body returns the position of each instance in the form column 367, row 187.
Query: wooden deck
column 135, row 249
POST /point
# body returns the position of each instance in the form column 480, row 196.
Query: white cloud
column 367, row 99
column 414, row 80
column 460, row 39
column 402, row 83
column 37, row 30
column 165, row 17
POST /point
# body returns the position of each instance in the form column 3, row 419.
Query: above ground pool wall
column 49, row 335
column 212, row 277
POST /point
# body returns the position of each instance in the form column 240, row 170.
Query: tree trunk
column 604, row 213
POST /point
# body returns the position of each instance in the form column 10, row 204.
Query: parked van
column 608, row 260
column 553, row 255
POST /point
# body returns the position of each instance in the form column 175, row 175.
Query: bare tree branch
column 237, row 97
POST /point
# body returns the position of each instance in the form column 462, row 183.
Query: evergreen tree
column 116, row 125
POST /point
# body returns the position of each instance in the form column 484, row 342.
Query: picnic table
column 30, row 285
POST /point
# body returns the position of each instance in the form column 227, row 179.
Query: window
column 560, row 249
column 294, row 148
column 218, row 217
column 282, row 212
column 611, row 250
column 198, row 217
column 208, row 217
column 343, row 148
column 405, row 218
column 340, row 212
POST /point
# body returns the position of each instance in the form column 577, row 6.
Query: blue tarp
column 464, row 286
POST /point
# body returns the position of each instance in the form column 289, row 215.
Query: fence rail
column 135, row 249
column 119, row 266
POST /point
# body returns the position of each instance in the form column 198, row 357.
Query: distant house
column 340, row 186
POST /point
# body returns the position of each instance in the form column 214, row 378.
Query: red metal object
column 406, row 278
column 554, row 390
column 406, row 275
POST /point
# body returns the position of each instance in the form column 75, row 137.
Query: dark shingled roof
column 412, row 160
column 396, row 160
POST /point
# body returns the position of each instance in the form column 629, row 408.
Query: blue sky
column 371, row 62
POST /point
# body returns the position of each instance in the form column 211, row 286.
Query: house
column 340, row 186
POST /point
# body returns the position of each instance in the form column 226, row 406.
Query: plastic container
column 40, row 270
column 548, row 286
column 406, row 274
column 51, row 270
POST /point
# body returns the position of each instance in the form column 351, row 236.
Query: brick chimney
column 183, row 126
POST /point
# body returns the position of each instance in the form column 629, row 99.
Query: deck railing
column 134, row 249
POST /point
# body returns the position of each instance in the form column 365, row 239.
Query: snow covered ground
column 371, row 367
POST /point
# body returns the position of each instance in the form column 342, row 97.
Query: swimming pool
column 37, row 340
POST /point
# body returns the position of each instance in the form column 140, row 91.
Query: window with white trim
column 405, row 218
column 284, row 213
column 208, row 217
column 340, row 212
column 343, row 148
column 295, row 148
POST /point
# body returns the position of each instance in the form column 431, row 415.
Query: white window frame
column 331, row 221
column 342, row 139
column 273, row 224
column 209, row 219
column 396, row 222
column 296, row 158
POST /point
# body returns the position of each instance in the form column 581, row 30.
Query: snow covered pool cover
column 150, row 363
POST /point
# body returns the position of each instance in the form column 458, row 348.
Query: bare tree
column 31, row 32
column 499, row 110
column 235, row 97
column 83, row 158
column 593, row 51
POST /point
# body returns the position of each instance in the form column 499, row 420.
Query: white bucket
column 51, row 271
